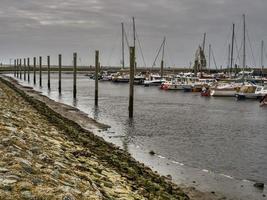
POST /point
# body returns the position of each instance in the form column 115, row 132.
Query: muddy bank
column 46, row 155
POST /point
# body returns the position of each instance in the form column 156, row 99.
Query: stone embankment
column 46, row 156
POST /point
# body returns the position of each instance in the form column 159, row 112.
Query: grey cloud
column 36, row 27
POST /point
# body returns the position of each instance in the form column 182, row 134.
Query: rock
column 152, row 153
column 55, row 173
column 68, row 197
column 27, row 195
column 35, row 150
column 6, row 187
column 259, row 185
column 15, row 177
column 37, row 181
column 24, row 186
column 3, row 170
column 169, row 176
column 6, row 142
column 23, row 161
column 12, row 129
column 45, row 158
column 60, row 165
column 9, row 181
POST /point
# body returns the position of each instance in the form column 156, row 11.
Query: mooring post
column 28, row 63
column 15, row 68
column 59, row 73
column 24, row 69
column 34, row 70
column 20, row 68
column 96, row 76
column 74, row 75
column 131, row 81
column 48, row 72
column 40, row 71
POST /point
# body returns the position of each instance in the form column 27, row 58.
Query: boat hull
column 223, row 93
column 241, row 96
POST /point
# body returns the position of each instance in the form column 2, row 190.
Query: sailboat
column 230, row 89
column 157, row 80
column 253, row 91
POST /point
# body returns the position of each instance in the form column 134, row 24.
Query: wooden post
column 24, row 69
column 15, row 68
column 34, row 70
column 48, row 72
column 20, row 68
column 28, row 63
column 59, row 73
column 131, row 81
column 40, row 71
column 96, row 76
column 74, row 75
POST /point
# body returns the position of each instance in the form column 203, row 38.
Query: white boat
column 251, row 91
column 174, row 86
column 225, row 90
column 154, row 80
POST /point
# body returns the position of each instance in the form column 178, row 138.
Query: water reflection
column 96, row 112
column 129, row 133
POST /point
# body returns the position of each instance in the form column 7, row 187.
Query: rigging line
column 112, row 50
column 168, row 55
column 214, row 58
column 265, row 51
column 238, row 25
column 139, row 43
column 238, row 52
column 226, row 42
column 157, row 55
column 126, row 38
column 253, row 57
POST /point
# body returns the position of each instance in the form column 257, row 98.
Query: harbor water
column 200, row 141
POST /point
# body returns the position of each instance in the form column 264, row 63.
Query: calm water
column 221, row 135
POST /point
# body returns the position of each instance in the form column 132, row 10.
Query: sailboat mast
column 228, row 62
column 134, row 36
column 122, row 44
column 209, row 55
column 204, row 41
column 262, row 46
column 244, row 44
column 163, row 48
column 162, row 62
column 232, row 49
column 134, row 41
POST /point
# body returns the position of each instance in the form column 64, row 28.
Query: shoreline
column 82, row 119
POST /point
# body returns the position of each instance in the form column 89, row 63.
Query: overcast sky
column 49, row 27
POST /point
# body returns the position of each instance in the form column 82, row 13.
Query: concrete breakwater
column 48, row 156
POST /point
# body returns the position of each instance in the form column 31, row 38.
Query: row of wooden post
column 26, row 74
